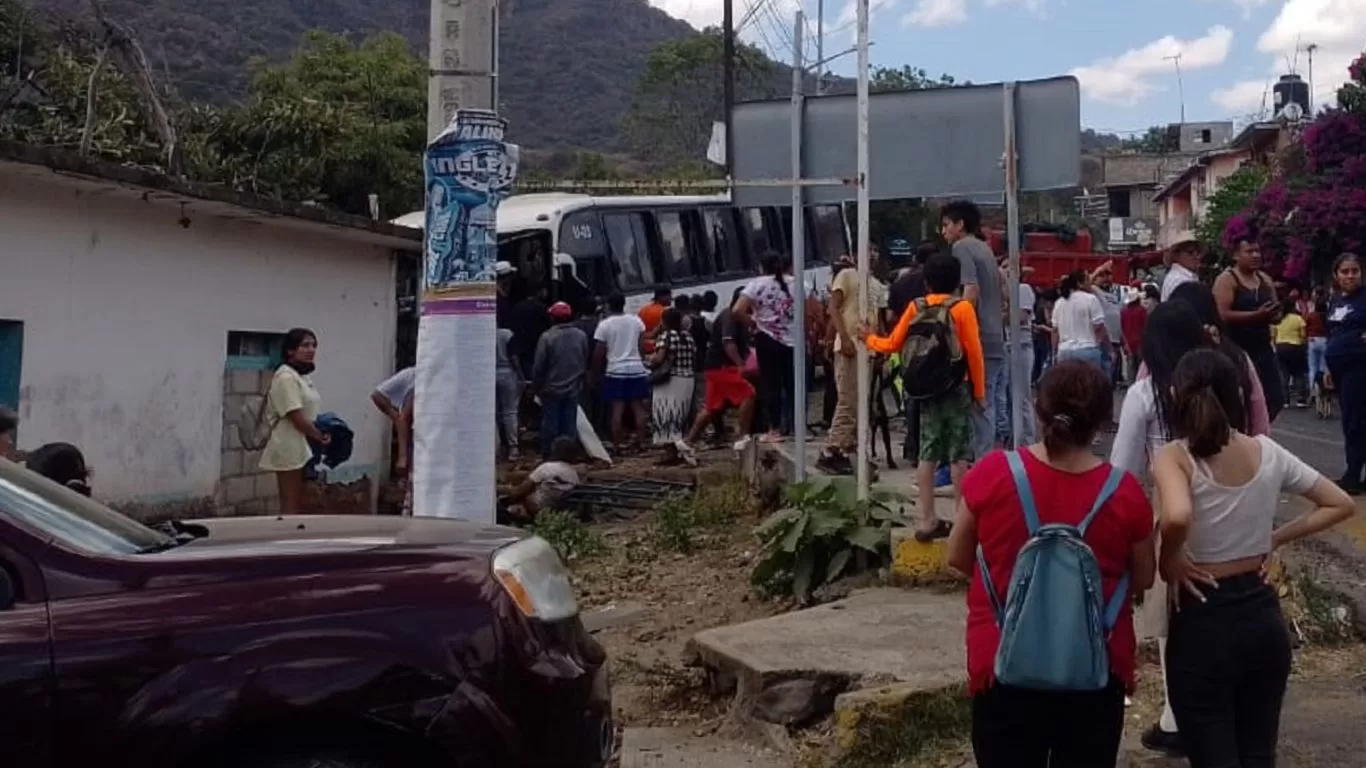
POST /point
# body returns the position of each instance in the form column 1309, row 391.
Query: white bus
column 634, row 245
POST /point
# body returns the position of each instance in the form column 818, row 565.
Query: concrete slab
column 678, row 748
column 788, row 669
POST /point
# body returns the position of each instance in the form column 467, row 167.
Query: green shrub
column 824, row 533
column 571, row 538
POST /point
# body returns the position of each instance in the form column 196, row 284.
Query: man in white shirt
column 625, row 379
column 393, row 397
column 1184, row 259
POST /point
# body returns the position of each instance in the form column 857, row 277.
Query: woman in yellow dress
column 292, row 407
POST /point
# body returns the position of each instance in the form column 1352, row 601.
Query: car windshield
column 45, row 508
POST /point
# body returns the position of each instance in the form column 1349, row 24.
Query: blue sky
column 1231, row 50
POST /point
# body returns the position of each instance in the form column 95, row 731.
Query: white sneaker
column 742, row 444
column 686, row 453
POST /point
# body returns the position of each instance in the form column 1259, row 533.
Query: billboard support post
column 1015, row 332
column 799, row 399
column 863, row 205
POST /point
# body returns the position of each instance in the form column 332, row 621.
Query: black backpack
column 932, row 357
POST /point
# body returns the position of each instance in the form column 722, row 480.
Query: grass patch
column 912, row 733
column 1320, row 615
column 680, row 520
column 571, row 538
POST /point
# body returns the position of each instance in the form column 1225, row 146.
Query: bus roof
column 540, row 210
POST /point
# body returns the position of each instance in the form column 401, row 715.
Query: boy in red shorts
column 726, row 383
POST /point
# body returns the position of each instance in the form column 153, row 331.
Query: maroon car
column 337, row 641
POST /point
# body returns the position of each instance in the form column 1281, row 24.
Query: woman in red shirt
column 1024, row 728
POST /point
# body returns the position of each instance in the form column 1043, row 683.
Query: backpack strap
column 1017, row 471
column 1106, row 491
column 1121, row 595
column 996, row 608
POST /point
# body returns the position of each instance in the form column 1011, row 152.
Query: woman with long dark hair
column 1021, row 727
column 1346, row 359
column 768, row 301
column 1228, row 652
column 291, row 408
column 1079, row 323
column 1173, row 330
column 1201, row 298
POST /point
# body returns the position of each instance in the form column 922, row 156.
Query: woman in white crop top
column 1228, row 650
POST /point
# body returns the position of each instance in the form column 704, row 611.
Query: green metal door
column 11, row 361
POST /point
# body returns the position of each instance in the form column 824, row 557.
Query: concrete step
column 789, row 669
column 680, row 748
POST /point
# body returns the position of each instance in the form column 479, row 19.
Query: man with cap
column 1132, row 320
column 506, row 275
column 557, row 375
column 1183, row 261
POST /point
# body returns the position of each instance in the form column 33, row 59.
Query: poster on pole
column 469, row 170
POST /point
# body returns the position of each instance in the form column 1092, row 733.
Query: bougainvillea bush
column 1316, row 206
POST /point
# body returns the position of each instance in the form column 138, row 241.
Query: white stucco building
column 134, row 308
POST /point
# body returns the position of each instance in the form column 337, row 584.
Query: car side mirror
column 7, row 590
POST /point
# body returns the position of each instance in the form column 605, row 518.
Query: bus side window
column 761, row 233
column 808, row 240
column 677, row 257
column 626, row 234
column 832, row 238
column 721, row 242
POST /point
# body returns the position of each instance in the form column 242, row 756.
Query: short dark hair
column 61, row 463
column 1075, row 399
column 943, row 273
column 564, row 448
column 963, row 212
column 9, row 420
column 925, row 252
column 709, row 301
column 616, row 303
column 683, row 303
column 663, row 292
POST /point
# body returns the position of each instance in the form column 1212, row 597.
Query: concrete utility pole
column 799, row 417
column 728, row 77
column 864, row 214
column 820, row 47
column 468, row 170
column 462, row 60
column 1310, row 49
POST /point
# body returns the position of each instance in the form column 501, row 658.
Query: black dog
column 877, row 411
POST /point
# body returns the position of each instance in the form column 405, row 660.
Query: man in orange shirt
column 946, row 434
column 652, row 315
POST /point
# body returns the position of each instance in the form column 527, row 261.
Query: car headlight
column 533, row 576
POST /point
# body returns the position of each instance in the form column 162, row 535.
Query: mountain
column 568, row 67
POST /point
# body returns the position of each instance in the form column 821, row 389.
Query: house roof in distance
column 29, row 160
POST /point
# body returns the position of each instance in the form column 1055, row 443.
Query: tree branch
column 86, row 132
column 131, row 61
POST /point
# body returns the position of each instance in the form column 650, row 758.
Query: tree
column 1315, row 207
column 681, row 94
column 335, row 123
column 905, row 78
column 1156, row 140
column 1235, row 193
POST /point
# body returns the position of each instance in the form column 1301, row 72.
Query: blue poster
column 469, row 170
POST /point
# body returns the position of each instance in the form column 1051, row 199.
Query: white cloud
column 708, row 13
column 1242, row 97
column 936, row 13
column 1128, row 78
column 1337, row 27
column 1034, row 6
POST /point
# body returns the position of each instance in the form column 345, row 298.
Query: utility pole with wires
column 820, row 47
column 728, row 76
column 1310, row 50
column 1180, row 87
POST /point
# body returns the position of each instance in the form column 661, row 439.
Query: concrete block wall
column 243, row 489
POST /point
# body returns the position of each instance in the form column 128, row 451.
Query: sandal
column 941, row 531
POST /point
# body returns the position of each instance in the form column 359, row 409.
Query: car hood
column 254, row 536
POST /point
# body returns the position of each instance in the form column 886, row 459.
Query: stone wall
column 243, row 489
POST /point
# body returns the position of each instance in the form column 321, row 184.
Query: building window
column 254, row 350
column 11, row 361
column 1119, row 203
column 1206, row 136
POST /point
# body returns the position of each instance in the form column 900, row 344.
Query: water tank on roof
column 1292, row 97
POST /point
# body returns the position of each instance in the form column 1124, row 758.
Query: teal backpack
column 1055, row 620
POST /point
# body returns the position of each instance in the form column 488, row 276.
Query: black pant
column 777, row 380
column 1295, row 367
column 1228, row 660
column 1349, row 376
column 829, row 397
column 1269, row 372
column 911, row 451
column 1021, row 728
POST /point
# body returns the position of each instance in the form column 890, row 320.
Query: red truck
column 1051, row 256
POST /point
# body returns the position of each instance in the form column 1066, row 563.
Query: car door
column 26, row 678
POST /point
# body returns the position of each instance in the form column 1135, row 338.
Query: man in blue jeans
column 961, row 224
column 557, row 375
